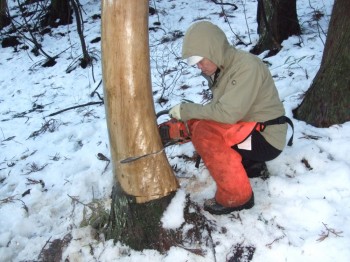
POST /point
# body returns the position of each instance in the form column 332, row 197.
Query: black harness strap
column 279, row 121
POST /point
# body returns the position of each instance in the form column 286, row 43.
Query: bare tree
column 327, row 102
column 277, row 20
column 27, row 26
column 145, row 182
column 87, row 59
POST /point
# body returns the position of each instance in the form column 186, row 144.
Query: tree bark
column 4, row 18
column 277, row 20
column 327, row 101
column 60, row 13
column 144, row 179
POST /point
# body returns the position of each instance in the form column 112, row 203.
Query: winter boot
column 215, row 208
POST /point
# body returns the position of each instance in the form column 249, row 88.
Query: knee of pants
column 203, row 131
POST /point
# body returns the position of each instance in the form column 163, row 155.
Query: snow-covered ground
column 50, row 170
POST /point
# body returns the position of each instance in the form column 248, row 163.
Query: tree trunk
column 86, row 60
column 145, row 180
column 277, row 20
column 4, row 18
column 60, row 13
column 327, row 101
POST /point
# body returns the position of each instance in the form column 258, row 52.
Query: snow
column 173, row 216
column 47, row 180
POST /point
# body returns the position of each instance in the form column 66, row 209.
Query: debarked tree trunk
column 144, row 179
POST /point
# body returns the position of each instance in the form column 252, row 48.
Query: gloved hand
column 175, row 112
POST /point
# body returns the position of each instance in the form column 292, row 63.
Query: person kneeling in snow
column 242, row 126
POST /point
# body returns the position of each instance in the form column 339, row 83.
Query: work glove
column 175, row 112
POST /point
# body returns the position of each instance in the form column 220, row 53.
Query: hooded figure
column 242, row 126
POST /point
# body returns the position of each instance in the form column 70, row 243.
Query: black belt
column 278, row 121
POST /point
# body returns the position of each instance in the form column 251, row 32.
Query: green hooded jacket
column 244, row 89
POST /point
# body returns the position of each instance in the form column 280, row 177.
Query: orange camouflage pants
column 213, row 140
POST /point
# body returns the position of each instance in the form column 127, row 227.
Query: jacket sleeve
column 236, row 101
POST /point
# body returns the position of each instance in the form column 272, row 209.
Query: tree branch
column 217, row 3
column 74, row 107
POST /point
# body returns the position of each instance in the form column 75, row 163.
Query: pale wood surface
column 129, row 104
